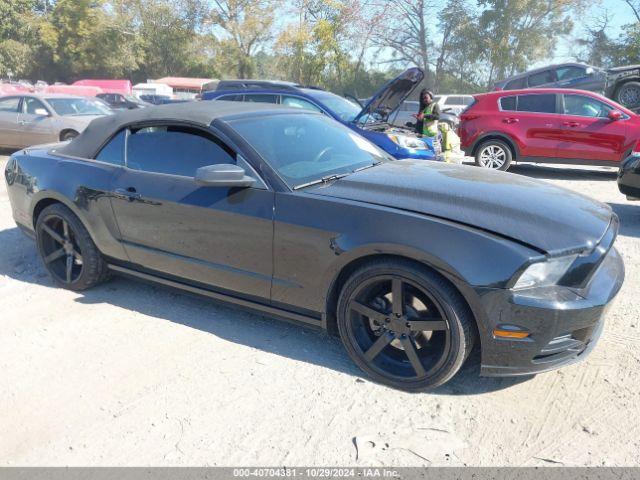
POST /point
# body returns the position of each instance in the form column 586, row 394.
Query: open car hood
column 391, row 95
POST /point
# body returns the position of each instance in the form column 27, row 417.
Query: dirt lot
column 131, row 374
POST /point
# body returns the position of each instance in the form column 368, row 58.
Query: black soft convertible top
column 201, row 113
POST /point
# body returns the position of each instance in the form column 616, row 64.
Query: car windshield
column 347, row 111
column 306, row 148
column 71, row 107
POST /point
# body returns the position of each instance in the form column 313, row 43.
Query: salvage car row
column 323, row 213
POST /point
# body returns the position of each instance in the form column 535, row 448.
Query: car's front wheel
column 404, row 325
column 494, row 154
column 67, row 250
column 628, row 95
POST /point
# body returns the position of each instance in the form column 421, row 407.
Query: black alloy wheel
column 406, row 326
column 67, row 251
column 61, row 253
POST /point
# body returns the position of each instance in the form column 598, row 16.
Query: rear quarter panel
column 484, row 119
column 35, row 175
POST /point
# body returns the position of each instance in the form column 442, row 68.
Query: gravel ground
column 132, row 374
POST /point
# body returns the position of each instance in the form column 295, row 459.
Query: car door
column 37, row 124
column 516, row 84
column 588, row 133
column 9, row 129
column 532, row 120
column 546, row 78
column 578, row 77
column 217, row 236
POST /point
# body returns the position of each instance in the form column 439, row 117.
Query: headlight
column 408, row 142
column 545, row 273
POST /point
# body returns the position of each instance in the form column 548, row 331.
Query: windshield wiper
column 368, row 166
column 325, row 179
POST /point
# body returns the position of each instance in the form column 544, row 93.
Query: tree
column 410, row 26
column 635, row 7
column 515, row 34
column 83, row 38
column 328, row 43
column 455, row 52
column 168, row 33
column 18, row 27
column 245, row 26
column 596, row 48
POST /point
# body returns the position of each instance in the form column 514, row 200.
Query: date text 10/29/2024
column 315, row 472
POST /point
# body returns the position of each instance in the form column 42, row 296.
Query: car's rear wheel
column 404, row 325
column 67, row 251
column 494, row 154
column 628, row 94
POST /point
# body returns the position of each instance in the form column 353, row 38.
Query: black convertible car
column 629, row 176
column 286, row 212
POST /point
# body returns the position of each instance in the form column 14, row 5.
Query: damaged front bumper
column 564, row 324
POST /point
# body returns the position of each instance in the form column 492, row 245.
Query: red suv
column 547, row 126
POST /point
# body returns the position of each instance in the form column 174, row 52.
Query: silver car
column 32, row 119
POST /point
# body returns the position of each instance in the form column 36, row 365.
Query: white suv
column 454, row 103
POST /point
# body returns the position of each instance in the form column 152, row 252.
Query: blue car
column 370, row 121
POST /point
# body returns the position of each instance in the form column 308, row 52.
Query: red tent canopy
column 107, row 86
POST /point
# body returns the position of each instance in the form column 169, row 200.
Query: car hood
column 392, row 94
column 540, row 215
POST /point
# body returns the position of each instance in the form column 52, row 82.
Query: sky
column 619, row 12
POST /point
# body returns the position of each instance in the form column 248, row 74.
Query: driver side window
column 583, row 106
column 569, row 73
column 174, row 150
column 30, row 105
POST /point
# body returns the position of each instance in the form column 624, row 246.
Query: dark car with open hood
column 289, row 213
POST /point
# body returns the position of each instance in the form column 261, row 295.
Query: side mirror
column 615, row 115
column 223, row 175
column 41, row 111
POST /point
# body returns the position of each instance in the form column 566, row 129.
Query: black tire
column 498, row 155
column 68, row 135
column 68, row 252
column 395, row 350
column 628, row 94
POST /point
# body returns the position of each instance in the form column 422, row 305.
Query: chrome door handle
column 571, row 124
column 22, row 122
column 511, row 120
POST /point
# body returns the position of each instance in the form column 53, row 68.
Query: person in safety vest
column 429, row 114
